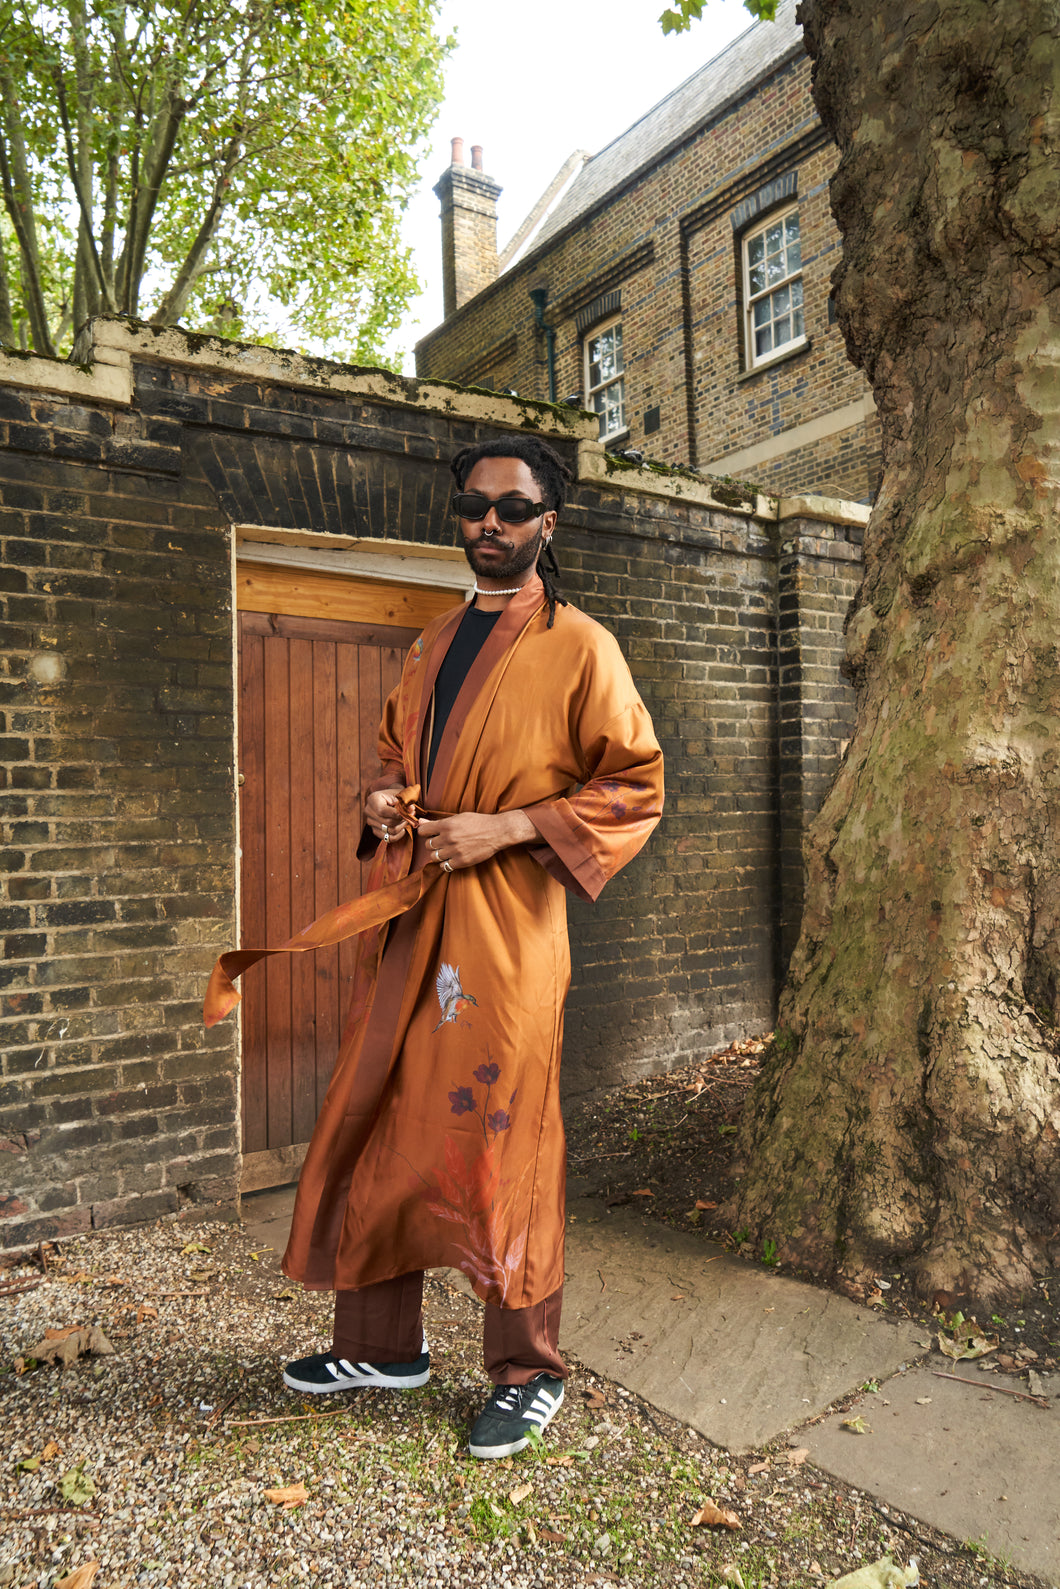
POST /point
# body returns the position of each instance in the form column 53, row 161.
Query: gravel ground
column 155, row 1461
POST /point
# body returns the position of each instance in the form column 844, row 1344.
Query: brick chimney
column 469, row 228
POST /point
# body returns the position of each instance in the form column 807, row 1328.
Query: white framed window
column 605, row 382
column 772, row 289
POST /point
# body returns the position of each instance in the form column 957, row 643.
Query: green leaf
column 77, row 1486
column 275, row 144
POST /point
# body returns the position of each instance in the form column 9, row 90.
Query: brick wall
column 117, row 820
column 666, row 244
column 116, row 760
column 818, row 574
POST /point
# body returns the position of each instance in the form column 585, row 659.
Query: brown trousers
column 383, row 1323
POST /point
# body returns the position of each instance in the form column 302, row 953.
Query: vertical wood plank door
column 311, row 692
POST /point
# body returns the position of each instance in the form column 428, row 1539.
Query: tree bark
column 910, row 1108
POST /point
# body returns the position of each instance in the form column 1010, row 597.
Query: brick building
column 211, row 560
column 677, row 283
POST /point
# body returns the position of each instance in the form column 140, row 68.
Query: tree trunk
column 910, row 1108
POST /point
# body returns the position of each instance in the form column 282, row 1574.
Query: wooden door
column 314, row 672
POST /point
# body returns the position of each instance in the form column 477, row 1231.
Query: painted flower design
column 499, row 1120
column 462, row 1101
column 487, row 1074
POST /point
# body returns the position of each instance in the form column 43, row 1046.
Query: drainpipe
column 539, row 298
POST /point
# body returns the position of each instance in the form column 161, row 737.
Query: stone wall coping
column 103, row 373
column 109, row 382
column 828, row 510
column 106, row 348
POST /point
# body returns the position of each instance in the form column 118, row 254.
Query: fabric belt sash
column 345, row 921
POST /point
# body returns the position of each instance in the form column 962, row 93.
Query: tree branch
column 17, row 198
column 172, row 305
column 89, row 240
column 7, row 324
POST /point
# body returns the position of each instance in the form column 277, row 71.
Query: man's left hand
column 474, row 836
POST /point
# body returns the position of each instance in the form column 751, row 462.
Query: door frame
column 388, row 561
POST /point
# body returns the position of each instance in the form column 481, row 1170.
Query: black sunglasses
column 510, row 510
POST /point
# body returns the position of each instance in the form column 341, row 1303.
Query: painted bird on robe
column 451, row 996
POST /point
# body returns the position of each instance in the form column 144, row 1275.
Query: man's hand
column 474, row 836
column 383, row 814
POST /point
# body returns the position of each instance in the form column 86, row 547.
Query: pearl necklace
column 478, row 591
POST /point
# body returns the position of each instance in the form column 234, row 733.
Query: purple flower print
column 462, row 1101
column 499, row 1120
column 487, row 1074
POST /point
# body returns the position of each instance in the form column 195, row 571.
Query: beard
column 502, row 569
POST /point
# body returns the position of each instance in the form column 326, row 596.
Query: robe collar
column 509, row 626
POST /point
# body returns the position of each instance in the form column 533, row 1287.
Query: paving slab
column 735, row 1350
column 967, row 1459
column 266, row 1218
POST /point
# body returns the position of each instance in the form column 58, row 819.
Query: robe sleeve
column 392, row 775
column 590, row 834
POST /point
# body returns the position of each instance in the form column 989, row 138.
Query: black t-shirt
column 471, row 635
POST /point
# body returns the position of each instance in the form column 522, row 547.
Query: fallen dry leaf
column 145, row 1311
column 968, row 1342
column 731, row 1574
column 704, row 1205
column 52, row 1449
column 857, row 1426
column 798, row 1456
column 195, row 1246
column 678, row 1296
column 286, row 1295
column 715, row 1517
column 80, row 1578
column 288, row 1496
column 642, row 1191
column 759, row 1467
column 66, row 1346
column 520, row 1493
column 552, row 1537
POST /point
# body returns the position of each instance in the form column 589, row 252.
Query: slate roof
column 699, row 99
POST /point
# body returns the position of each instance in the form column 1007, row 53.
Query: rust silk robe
column 440, row 1141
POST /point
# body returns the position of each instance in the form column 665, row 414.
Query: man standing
column 518, row 760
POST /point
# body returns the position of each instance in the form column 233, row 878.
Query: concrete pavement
column 745, row 1355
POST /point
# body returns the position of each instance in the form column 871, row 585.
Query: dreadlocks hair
column 551, row 476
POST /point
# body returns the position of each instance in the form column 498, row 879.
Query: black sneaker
column 512, row 1414
column 323, row 1373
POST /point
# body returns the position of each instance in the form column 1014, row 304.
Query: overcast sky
column 534, row 82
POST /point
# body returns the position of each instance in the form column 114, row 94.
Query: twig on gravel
column 906, row 1528
column 295, row 1417
column 644, row 1413
column 51, row 1511
column 11, row 1288
column 222, row 1409
column 982, row 1384
column 160, row 1294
